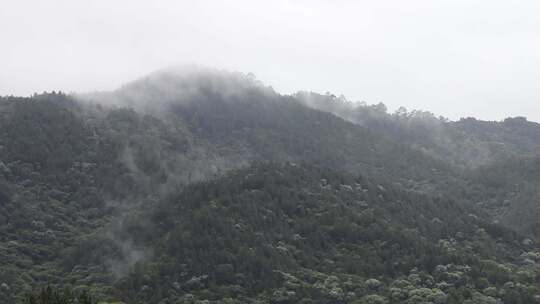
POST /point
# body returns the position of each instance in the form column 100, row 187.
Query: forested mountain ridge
column 465, row 143
column 236, row 111
column 497, row 161
column 208, row 186
column 287, row 233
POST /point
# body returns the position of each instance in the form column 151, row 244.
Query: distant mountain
column 465, row 143
column 204, row 185
column 497, row 161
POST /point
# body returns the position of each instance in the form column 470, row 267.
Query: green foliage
column 243, row 195
column 49, row 295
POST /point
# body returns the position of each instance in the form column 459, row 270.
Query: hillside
column 495, row 162
column 290, row 233
column 465, row 143
column 204, row 185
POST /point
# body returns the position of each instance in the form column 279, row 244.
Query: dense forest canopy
column 204, row 186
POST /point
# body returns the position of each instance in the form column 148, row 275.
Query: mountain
column 290, row 233
column 496, row 161
column 200, row 185
column 465, row 143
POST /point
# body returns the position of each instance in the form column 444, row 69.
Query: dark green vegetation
column 207, row 187
column 500, row 159
column 49, row 295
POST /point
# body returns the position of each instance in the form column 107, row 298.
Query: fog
column 453, row 58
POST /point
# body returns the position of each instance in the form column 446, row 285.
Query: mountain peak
column 182, row 85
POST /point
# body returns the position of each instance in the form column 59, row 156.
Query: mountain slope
column 465, row 143
column 208, row 185
column 495, row 159
column 285, row 233
column 235, row 112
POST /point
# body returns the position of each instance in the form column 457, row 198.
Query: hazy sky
column 454, row 58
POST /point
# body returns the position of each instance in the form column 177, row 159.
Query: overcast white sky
column 452, row 57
